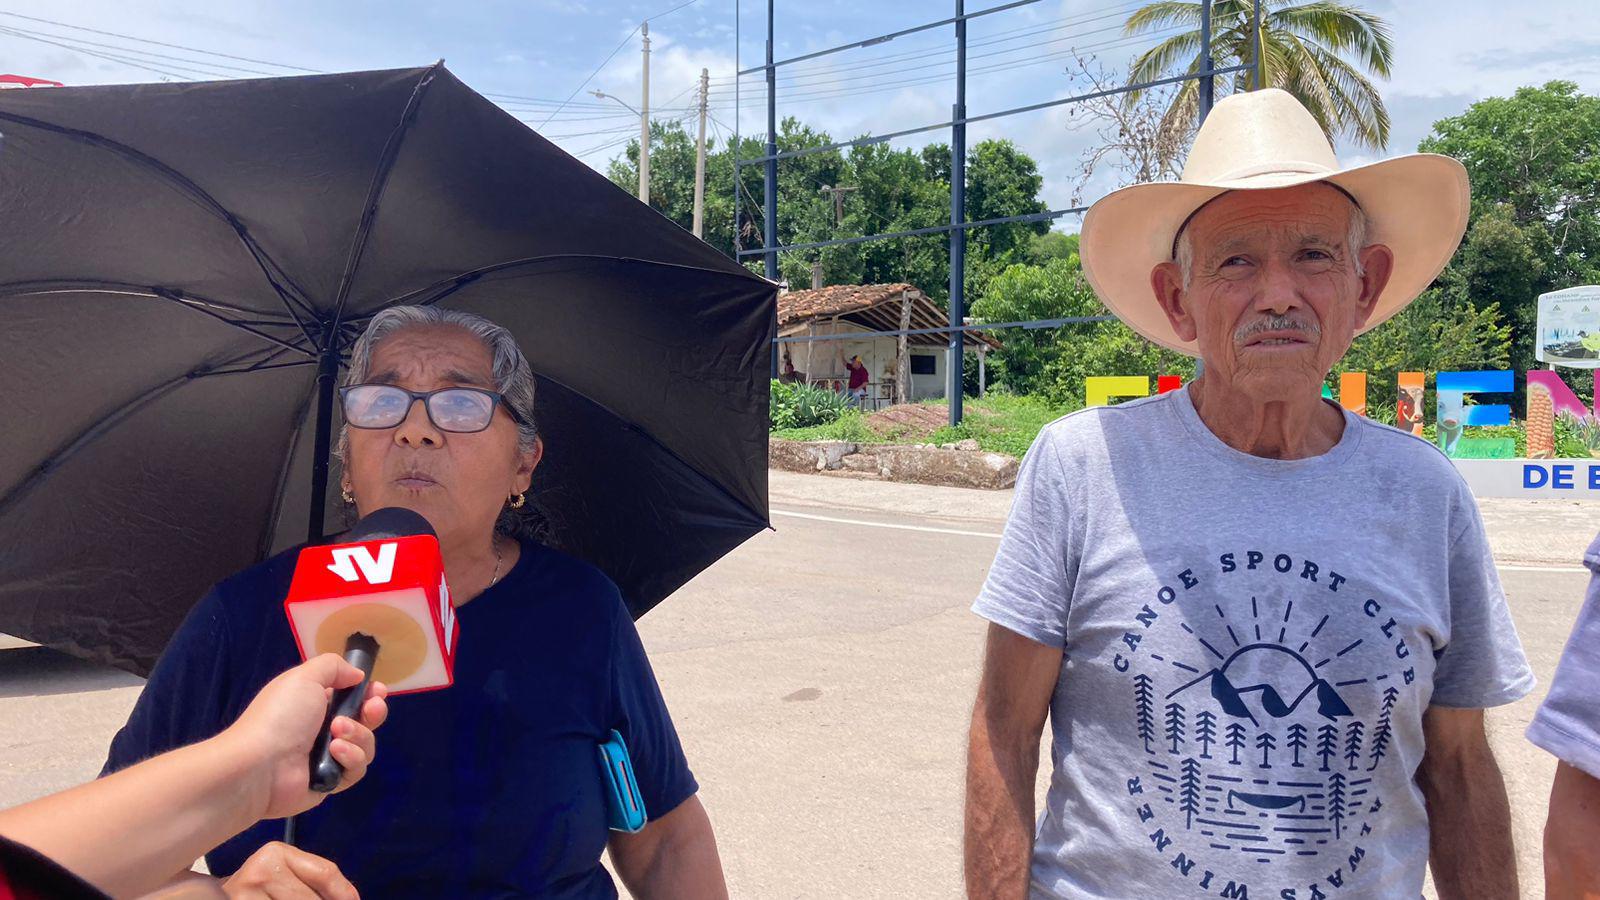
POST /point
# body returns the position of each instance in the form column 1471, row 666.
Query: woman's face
column 458, row 482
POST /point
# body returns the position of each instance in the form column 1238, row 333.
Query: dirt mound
column 908, row 421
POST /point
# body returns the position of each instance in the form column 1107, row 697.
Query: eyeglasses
column 459, row 410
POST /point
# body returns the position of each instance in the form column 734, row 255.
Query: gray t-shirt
column 1568, row 723
column 1248, row 648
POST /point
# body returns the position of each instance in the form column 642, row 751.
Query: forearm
column 998, row 839
column 131, row 832
column 1572, row 837
column 1470, row 848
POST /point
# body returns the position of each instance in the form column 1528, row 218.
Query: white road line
column 1571, row 569
column 894, row 525
column 996, row 536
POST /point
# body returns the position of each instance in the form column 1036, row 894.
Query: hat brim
column 1417, row 205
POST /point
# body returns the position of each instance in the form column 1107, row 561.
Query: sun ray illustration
column 1349, row 648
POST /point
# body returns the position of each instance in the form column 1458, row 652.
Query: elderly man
column 1264, row 629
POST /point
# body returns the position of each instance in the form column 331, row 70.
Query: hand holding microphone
column 288, row 716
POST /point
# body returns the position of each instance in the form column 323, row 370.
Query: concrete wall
column 929, row 387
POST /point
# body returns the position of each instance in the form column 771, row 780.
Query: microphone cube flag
column 392, row 589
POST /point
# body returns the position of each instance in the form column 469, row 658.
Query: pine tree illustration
column 1205, row 731
column 1235, row 740
column 1327, row 744
column 1265, row 742
column 1175, row 725
column 1352, row 743
column 1189, row 790
column 1381, row 734
column 1144, row 710
column 1297, row 741
column 1336, row 802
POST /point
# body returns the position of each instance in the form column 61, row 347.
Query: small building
column 903, row 369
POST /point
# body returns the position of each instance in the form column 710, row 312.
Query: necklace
column 496, row 578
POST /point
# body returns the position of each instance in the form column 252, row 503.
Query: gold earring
column 518, row 500
column 348, row 497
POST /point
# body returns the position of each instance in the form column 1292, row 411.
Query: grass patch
column 848, row 427
column 1001, row 423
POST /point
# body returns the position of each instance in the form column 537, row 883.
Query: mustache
column 1309, row 330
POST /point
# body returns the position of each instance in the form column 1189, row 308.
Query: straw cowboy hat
column 1416, row 204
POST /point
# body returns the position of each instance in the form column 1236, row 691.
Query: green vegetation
column 805, row 406
column 1000, row 423
column 849, row 427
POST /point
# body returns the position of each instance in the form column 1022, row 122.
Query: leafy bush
column 804, row 406
column 851, row 426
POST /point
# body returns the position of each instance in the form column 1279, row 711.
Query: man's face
column 1273, row 298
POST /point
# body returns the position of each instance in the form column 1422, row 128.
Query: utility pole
column 838, row 200
column 1207, row 80
column 700, row 157
column 770, row 193
column 958, row 217
column 1207, row 95
column 644, row 124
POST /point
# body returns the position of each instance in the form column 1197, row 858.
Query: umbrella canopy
column 187, row 264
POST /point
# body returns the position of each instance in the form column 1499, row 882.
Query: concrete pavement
column 822, row 675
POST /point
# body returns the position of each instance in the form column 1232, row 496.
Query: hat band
column 1190, row 217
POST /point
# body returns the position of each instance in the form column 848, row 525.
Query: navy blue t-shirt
column 488, row 788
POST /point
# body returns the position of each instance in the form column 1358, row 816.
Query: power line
column 944, row 49
column 129, row 37
column 106, row 56
column 23, row 32
column 819, row 93
column 613, row 53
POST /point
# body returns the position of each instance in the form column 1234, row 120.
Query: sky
column 540, row 59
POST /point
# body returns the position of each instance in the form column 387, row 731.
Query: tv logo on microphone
column 391, row 589
column 348, row 560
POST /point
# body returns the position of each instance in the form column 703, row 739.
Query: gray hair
column 1355, row 242
column 513, row 379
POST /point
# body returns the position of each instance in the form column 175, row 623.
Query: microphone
column 379, row 599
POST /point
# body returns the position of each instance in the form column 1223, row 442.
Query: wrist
column 244, row 775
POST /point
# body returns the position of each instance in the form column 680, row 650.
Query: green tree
column 889, row 190
column 1321, row 52
column 1055, row 361
column 1438, row 332
column 1534, row 162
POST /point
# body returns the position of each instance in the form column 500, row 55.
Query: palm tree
column 1304, row 50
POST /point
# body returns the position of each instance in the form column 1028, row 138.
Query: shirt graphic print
column 1263, row 694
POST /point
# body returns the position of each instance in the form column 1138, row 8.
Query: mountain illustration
column 1278, row 673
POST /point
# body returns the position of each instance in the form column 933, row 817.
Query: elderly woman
column 491, row 787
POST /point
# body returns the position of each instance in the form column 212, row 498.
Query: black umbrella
column 185, row 265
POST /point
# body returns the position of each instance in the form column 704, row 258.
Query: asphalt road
column 822, row 675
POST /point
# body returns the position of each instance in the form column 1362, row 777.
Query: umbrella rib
column 281, row 492
column 182, row 298
column 59, row 458
column 380, row 180
column 263, row 260
column 448, row 286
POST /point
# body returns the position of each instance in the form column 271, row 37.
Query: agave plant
column 1588, row 428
